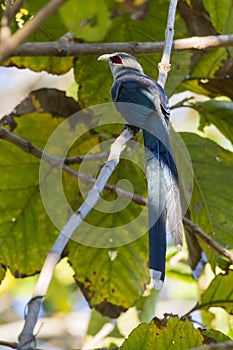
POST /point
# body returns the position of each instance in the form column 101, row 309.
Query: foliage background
column 26, row 233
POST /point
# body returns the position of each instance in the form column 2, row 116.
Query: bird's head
column 119, row 61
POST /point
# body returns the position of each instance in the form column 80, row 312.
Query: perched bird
column 144, row 105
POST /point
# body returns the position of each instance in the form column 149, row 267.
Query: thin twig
column 16, row 6
column 164, row 65
column 196, row 230
column 63, row 48
column 9, row 344
column 103, row 333
column 88, row 157
column 13, row 9
column 8, row 46
column 216, row 346
column 58, row 162
column 5, row 31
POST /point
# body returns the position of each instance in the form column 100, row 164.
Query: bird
column 143, row 103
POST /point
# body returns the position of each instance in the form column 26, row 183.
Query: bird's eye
column 116, row 59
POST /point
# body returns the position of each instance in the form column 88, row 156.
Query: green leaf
column 88, row 19
column 219, row 293
column 2, row 273
column 146, row 305
column 211, row 204
column 111, row 280
column 53, row 65
column 26, row 233
column 218, row 113
column 214, row 335
column 221, row 15
column 52, row 101
column 52, row 29
column 166, row 334
column 211, row 74
column 207, row 66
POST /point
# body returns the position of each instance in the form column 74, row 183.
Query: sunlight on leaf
column 168, row 333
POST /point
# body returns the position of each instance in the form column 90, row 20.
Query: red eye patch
column 116, row 59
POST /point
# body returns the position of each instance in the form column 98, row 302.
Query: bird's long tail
column 163, row 205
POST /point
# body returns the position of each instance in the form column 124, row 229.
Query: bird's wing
column 143, row 103
column 163, row 102
column 129, row 92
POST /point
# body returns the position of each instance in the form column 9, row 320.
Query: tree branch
column 63, row 48
column 13, row 8
column 11, row 43
column 28, row 147
column 218, row 346
column 197, row 231
column 164, row 65
column 5, row 31
column 88, row 157
column 9, row 344
column 26, row 338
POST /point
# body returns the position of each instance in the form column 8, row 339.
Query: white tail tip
column 156, row 281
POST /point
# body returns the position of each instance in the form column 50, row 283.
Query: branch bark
column 8, row 344
column 164, row 65
column 37, row 152
column 63, row 48
column 197, row 231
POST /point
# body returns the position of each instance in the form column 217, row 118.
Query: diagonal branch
column 197, row 231
column 9, row 344
column 28, row 147
column 88, row 157
column 37, row 152
column 26, row 338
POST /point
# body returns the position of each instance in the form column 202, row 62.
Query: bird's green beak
column 104, row 58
